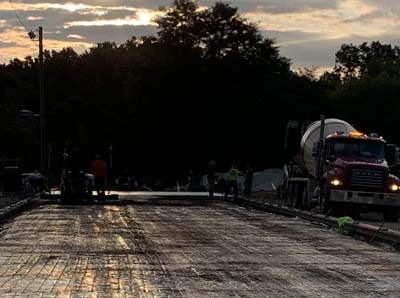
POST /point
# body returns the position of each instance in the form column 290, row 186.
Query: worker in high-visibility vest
column 233, row 176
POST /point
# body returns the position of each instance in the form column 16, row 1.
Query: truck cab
column 356, row 162
column 357, row 176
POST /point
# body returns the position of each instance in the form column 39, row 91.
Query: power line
column 30, row 32
column 16, row 36
column 16, row 14
column 11, row 37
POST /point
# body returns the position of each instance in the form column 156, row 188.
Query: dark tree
column 208, row 86
column 374, row 59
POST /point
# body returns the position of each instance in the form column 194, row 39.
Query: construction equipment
column 340, row 169
column 75, row 186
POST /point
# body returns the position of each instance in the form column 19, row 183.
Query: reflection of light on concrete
column 89, row 280
column 145, row 288
column 138, row 278
column 122, row 242
column 113, row 275
column 109, row 213
column 113, row 208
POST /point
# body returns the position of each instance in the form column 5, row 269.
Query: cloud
column 384, row 4
column 33, row 18
column 76, row 36
column 139, row 18
column 322, row 52
column 278, row 6
column 365, row 17
column 20, row 46
column 97, row 34
column 292, row 36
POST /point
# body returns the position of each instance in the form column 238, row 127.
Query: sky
column 309, row 32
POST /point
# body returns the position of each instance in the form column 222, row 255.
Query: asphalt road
column 185, row 248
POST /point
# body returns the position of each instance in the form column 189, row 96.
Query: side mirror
column 332, row 158
column 391, row 155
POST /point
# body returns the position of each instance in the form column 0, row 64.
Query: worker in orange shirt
column 99, row 171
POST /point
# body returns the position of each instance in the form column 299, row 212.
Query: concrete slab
column 185, row 248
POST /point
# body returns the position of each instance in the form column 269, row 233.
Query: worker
column 248, row 181
column 99, row 171
column 233, row 176
column 211, row 178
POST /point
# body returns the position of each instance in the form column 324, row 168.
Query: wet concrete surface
column 9, row 199
column 185, row 248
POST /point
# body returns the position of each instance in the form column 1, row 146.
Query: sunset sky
column 308, row 31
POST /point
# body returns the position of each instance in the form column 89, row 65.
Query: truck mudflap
column 360, row 197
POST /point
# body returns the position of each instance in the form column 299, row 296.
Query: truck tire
column 354, row 211
column 280, row 194
column 391, row 214
column 290, row 194
column 325, row 203
column 306, row 201
column 298, row 198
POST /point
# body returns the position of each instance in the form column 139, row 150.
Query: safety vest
column 233, row 174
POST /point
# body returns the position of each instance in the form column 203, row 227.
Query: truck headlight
column 336, row 182
column 394, row 187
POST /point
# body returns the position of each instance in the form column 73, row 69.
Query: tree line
column 208, row 86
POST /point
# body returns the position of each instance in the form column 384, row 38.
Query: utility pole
column 43, row 138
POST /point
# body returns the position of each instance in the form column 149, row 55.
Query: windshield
column 357, row 148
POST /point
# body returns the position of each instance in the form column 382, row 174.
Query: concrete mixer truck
column 341, row 170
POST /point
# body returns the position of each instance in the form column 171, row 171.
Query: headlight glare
column 394, row 187
column 336, row 182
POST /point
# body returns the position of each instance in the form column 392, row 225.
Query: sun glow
column 142, row 17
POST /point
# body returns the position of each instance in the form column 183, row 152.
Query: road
column 162, row 247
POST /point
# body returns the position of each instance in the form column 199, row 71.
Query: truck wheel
column 391, row 214
column 299, row 204
column 279, row 192
column 290, row 194
column 325, row 204
column 355, row 212
column 306, row 201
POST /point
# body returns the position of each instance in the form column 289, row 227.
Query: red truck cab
column 357, row 175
